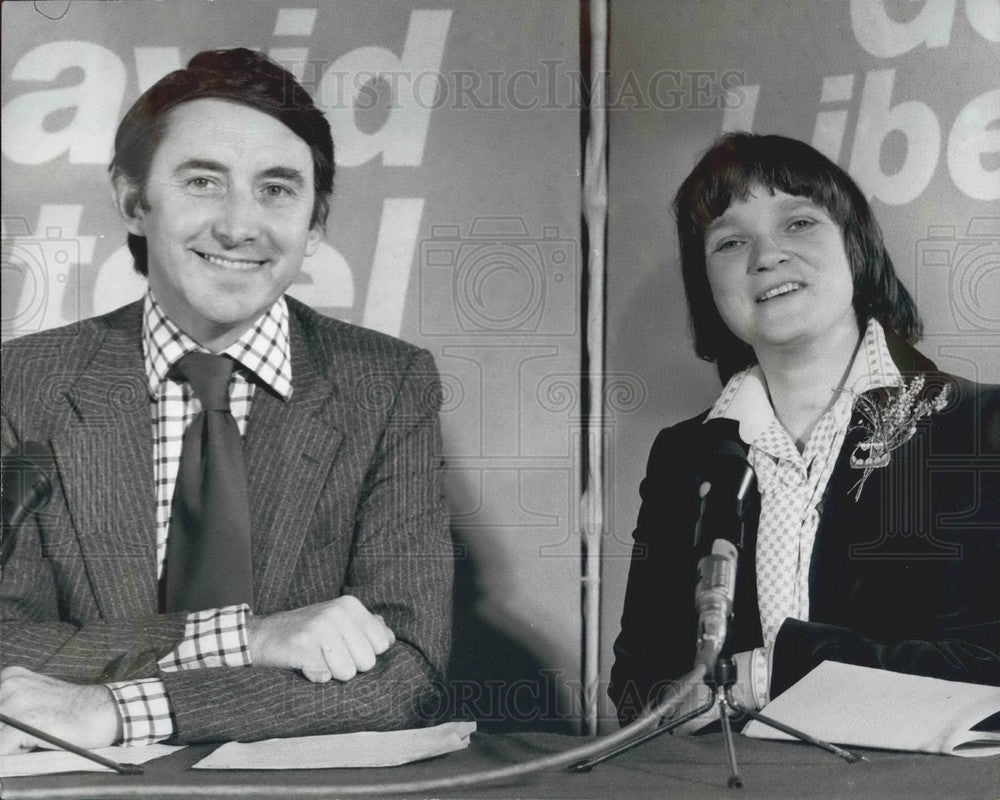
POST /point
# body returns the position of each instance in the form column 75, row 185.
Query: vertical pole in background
column 595, row 209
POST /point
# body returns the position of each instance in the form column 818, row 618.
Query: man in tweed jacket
column 222, row 172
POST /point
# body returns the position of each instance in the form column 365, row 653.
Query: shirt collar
column 873, row 367
column 744, row 397
column 263, row 349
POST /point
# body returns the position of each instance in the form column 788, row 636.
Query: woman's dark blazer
column 906, row 578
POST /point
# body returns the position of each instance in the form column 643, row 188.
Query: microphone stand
column 721, row 680
column 714, row 598
column 665, row 727
column 62, row 744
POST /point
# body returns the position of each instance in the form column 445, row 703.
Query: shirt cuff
column 751, row 688
column 144, row 711
column 760, row 675
column 216, row 637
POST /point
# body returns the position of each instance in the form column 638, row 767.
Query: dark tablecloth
column 670, row 767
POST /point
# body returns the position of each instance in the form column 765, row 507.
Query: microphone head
column 725, row 465
column 26, row 488
column 723, row 445
column 728, row 451
column 25, row 481
column 731, row 480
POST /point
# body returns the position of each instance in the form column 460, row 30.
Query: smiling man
column 247, row 536
column 226, row 213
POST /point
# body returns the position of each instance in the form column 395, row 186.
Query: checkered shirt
column 213, row 637
column 792, row 485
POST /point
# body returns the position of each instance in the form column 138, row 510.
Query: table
column 688, row 767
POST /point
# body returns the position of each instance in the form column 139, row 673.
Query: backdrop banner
column 455, row 224
column 904, row 95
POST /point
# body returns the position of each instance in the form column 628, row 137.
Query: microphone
column 26, row 488
column 725, row 490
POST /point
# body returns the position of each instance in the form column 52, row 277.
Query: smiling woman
column 792, row 294
column 780, row 277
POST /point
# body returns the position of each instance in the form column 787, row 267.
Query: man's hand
column 335, row 639
column 84, row 715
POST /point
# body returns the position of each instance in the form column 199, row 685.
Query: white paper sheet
column 365, row 749
column 50, row 762
column 865, row 707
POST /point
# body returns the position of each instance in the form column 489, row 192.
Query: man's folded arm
column 96, row 652
column 401, row 569
column 102, row 651
column 263, row 702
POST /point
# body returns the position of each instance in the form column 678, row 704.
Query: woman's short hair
column 239, row 75
column 734, row 164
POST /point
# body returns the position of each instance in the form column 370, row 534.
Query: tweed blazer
column 905, row 578
column 345, row 498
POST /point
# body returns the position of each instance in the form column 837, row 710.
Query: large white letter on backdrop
column 972, row 137
column 401, row 137
column 876, row 120
column 95, row 102
column 883, row 37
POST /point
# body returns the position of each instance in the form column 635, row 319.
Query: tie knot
column 209, row 378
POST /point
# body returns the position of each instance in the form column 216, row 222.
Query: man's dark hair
column 738, row 162
column 239, row 75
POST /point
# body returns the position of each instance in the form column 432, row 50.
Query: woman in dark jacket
column 873, row 535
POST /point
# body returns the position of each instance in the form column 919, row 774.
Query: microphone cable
column 667, row 707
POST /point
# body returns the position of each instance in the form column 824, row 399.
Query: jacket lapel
column 908, row 359
column 290, row 449
column 845, row 524
column 860, row 536
column 104, row 460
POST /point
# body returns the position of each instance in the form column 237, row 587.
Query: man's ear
column 130, row 205
column 316, row 234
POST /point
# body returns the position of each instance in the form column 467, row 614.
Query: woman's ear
column 130, row 204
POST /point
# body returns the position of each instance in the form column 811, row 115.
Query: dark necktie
column 208, row 545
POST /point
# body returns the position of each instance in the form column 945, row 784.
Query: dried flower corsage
column 890, row 423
